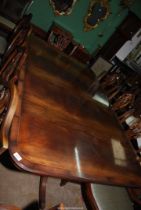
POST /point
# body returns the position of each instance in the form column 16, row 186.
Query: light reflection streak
column 77, row 160
column 119, row 153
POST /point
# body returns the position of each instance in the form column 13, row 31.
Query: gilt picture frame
column 98, row 11
column 63, row 7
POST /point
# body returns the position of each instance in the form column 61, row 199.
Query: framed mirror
column 98, row 10
column 62, row 7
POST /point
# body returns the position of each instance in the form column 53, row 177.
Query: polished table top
column 60, row 131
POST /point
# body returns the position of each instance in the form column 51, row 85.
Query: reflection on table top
column 61, row 131
column 101, row 97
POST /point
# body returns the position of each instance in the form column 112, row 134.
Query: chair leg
column 42, row 192
column 88, row 197
column 63, row 182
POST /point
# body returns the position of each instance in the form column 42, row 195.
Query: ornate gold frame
column 104, row 3
column 67, row 12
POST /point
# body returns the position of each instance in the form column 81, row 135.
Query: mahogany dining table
column 60, row 131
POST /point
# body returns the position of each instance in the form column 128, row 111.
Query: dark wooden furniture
column 88, row 197
column 9, row 77
column 126, row 104
column 15, row 38
column 123, row 33
column 8, row 96
column 59, row 38
column 11, row 64
column 58, row 130
column 61, row 132
column 122, row 86
column 125, row 100
column 63, row 41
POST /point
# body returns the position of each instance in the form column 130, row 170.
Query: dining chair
column 103, row 197
column 87, row 81
column 135, row 128
column 59, row 37
column 111, row 79
column 112, row 84
column 8, row 93
column 8, row 103
column 16, row 38
column 126, row 116
column 124, row 100
column 11, row 66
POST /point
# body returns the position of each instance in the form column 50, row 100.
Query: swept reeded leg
column 42, row 192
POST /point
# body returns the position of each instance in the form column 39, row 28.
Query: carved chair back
column 18, row 35
column 112, row 84
column 124, row 100
column 63, row 41
column 111, row 79
column 8, row 102
column 59, row 38
column 9, row 68
column 9, row 74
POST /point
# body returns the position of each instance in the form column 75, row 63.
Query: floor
column 21, row 189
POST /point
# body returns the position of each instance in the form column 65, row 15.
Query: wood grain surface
column 60, row 131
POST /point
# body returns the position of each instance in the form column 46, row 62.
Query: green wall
column 43, row 16
column 136, row 8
